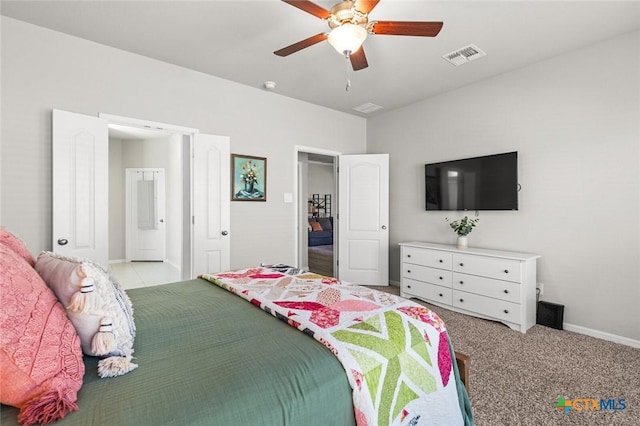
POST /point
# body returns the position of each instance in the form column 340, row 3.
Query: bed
column 207, row 357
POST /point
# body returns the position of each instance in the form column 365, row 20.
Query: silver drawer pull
column 506, row 311
column 506, row 291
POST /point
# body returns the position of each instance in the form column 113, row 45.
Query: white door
column 145, row 214
column 363, row 208
column 80, row 157
column 211, row 204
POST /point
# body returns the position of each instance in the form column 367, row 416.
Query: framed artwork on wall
column 248, row 178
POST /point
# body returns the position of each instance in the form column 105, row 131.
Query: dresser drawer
column 498, row 289
column 427, row 291
column 430, row 275
column 498, row 309
column 491, row 267
column 432, row 258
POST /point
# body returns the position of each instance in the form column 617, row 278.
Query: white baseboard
column 178, row 267
column 603, row 335
column 394, row 283
column 116, row 261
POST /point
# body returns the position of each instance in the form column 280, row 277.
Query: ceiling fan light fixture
column 347, row 38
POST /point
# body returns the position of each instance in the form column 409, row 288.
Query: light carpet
column 516, row 378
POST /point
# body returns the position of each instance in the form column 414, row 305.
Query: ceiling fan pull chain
column 348, row 67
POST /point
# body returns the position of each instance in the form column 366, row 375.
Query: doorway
column 321, row 183
column 147, row 175
column 81, row 199
column 317, row 206
column 360, row 211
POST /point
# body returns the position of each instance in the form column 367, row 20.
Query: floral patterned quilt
column 395, row 352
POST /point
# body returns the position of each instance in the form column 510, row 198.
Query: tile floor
column 143, row 274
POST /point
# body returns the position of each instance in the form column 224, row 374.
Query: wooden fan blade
column 286, row 51
column 366, row 6
column 358, row 59
column 423, row 29
column 309, row 7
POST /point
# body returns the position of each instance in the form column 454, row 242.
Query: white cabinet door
column 80, row 156
column 363, row 215
column 211, row 204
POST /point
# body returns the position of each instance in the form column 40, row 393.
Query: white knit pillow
column 97, row 306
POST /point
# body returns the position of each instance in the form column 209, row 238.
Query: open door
column 211, row 204
column 81, row 181
column 80, row 190
column 363, row 214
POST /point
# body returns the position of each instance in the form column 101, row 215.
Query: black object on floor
column 550, row 315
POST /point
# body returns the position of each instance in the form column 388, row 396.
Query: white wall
column 575, row 122
column 322, row 181
column 43, row 69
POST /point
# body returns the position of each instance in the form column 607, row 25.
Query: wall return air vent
column 464, row 55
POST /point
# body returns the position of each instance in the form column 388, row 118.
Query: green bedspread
column 395, row 353
column 206, row 357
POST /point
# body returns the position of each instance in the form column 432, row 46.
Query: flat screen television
column 479, row 183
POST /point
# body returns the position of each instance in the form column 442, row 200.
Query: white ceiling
column 235, row 40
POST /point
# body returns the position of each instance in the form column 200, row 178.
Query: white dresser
column 492, row 284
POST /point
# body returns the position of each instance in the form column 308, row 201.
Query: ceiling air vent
column 367, row 108
column 462, row 56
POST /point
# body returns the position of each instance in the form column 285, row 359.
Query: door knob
column 62, row 241
column 161, row 220
column 384, row 226
column 225, row 232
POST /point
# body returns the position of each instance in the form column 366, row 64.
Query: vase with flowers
column 463, row 227
column 249, row 176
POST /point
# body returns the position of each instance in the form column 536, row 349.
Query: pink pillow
column 98, row 307
column 40, row 353
column 16, row 244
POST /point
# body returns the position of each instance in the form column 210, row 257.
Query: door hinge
column 193, row 220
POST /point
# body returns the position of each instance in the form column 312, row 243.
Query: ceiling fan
column 349, row 23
